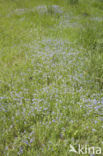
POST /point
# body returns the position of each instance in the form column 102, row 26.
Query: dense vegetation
column 51, row 76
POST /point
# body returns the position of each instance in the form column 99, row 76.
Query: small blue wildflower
column 53, row 120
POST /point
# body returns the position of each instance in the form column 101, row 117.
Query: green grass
column 51, row 76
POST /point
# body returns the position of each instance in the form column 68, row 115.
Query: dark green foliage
column 73, row 1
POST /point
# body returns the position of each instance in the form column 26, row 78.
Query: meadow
column 51, row 76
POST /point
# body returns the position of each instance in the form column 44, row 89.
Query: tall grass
column 91, row 40
column 50, row 76
column 72, row 1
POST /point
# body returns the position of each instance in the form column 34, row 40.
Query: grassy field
column 51, row 76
